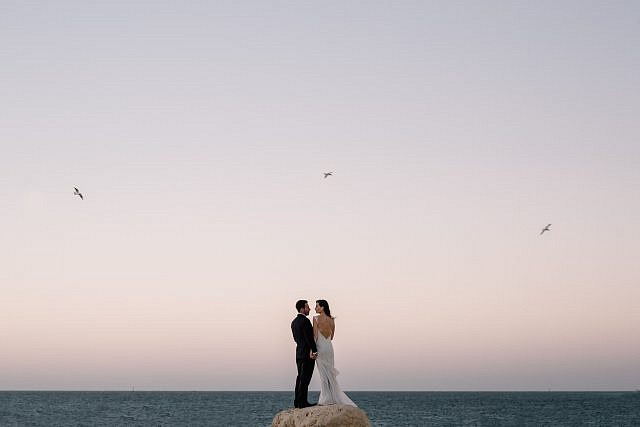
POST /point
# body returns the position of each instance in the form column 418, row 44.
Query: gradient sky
column 199, row 131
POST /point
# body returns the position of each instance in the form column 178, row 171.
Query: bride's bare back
column 325, row 325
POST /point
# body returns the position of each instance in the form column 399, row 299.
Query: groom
column 306, row 353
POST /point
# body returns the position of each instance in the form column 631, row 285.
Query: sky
column 198, row 133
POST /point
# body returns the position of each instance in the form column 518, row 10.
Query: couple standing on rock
column 313, row 345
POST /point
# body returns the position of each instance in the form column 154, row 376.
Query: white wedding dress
column 330, row 392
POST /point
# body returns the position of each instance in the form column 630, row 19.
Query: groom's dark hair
column 300, row 304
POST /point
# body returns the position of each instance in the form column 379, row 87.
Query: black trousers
column 305, row 371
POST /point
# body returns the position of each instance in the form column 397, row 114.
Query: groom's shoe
column 307, row 405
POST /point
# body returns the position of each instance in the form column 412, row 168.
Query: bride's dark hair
column 325, row 306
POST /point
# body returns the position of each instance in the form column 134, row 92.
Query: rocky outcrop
column 322, row 416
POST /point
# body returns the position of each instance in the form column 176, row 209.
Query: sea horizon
column 258, row 408
column 351, row 391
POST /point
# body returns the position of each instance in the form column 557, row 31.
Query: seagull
column 78, row 193
column 545, row 229
column 326, row 174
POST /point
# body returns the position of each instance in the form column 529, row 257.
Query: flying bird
column 545, row 229
column 78, row 193
column 326, row 174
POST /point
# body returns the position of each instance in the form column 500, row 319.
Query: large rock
column 322, row 416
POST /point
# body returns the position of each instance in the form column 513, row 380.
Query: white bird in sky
column 326, row 174
column 545, row 229
column 78, row 193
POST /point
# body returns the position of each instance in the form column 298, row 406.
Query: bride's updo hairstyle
column 325, row 306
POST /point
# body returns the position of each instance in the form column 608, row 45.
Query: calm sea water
column 258, row 408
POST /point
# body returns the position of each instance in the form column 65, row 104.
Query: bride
column 324, row 327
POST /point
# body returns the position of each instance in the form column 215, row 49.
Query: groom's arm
column 308, row 336
column 293, row 329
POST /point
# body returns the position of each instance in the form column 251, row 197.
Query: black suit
column 303, row 336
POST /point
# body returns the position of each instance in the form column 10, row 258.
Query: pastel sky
column 198, row 133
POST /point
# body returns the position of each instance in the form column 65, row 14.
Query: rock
column 322, row 416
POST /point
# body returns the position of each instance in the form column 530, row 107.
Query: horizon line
column 317, row 391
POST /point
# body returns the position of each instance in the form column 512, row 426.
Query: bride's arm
column 333, row 328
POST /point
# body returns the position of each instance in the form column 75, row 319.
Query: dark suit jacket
column 303, row 336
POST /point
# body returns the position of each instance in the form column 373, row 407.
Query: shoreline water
column 396, row 408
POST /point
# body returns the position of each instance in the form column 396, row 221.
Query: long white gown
column 330, row 392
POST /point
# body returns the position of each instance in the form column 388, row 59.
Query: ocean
column 141, row 408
